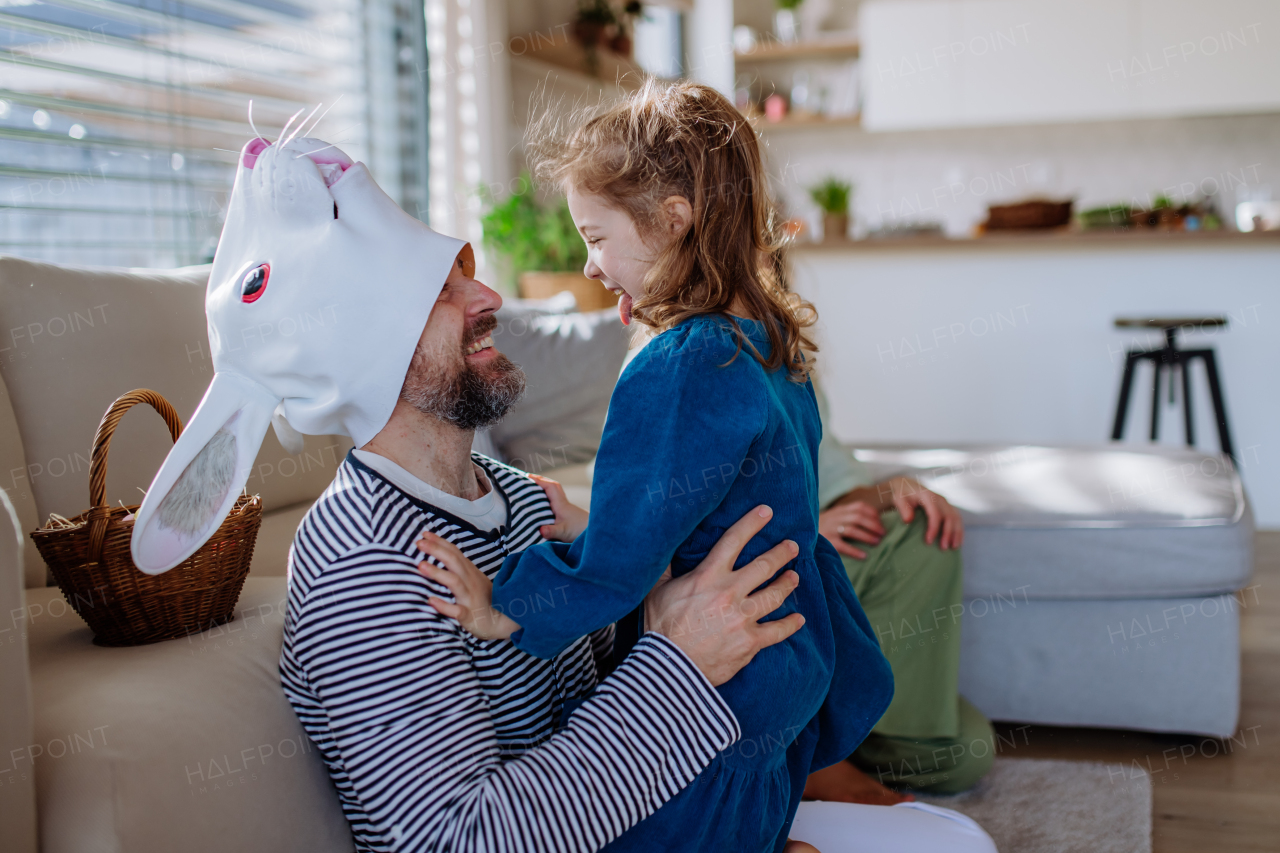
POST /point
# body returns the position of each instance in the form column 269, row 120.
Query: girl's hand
column 472, row 591
column 571, row 520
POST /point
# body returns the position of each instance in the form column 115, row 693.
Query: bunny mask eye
column 254, row 283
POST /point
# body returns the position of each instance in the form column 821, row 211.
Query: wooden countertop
column 1058, row 238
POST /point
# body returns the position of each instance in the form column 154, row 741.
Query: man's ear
column 468, row 257
column 678, row 214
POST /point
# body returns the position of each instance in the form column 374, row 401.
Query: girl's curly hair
column 686, row 139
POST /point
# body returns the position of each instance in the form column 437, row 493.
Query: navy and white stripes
column 439, row 741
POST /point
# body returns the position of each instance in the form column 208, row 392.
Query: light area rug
column 1031, row 805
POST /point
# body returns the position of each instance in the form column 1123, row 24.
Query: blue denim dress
column 698, row 434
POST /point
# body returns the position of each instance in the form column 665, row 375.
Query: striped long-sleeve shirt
column 437, row 740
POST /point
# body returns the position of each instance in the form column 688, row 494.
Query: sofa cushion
column 17, row 781
column 1163, row 664
column 183, row 745
column 571, row 362
column 1117, row 521
column 275, row 538
column 13, row 480
column 72, row 339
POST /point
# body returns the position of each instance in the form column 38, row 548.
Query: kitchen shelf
column 561, row 53
column 777, row 51
column 807, row 123
column 1063, row 237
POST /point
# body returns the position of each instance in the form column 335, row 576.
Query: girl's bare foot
column 799, row 847
column 844, row 783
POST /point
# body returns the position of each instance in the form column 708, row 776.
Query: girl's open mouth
column 624, row 301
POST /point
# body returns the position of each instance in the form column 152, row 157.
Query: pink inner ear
column 253, row 149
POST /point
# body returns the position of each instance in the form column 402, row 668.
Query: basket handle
column 99, row 512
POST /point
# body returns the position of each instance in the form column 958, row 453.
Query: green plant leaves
column 533, row 237
column 832, row 195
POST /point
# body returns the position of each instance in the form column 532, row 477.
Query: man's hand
column 859, row 521
column 472, row 590
column 944, row 522
column 712, row 614
column 571, row 519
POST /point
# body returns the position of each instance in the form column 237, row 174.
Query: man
column 434, row 738
column 900, row 544
column 438, row 740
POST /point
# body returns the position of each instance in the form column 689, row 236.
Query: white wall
column 710, row 44
column 539, row 16
column 941, row 63
column 990, row 344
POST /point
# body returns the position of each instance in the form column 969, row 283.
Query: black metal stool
column 1167, row 358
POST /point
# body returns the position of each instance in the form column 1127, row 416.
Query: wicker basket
column 1028, row 215
column 90, row 558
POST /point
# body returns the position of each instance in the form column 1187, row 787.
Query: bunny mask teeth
column 483, row 343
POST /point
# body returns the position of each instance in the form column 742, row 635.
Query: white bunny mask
column 320, row 289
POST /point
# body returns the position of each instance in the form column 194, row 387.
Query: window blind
column 120, row 119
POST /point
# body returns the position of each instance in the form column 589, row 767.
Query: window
column 120, row 119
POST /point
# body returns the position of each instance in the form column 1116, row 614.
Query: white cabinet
column 1206, row 57
column 909, row 76
column 948, row 63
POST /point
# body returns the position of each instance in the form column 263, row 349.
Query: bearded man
column 438, row 740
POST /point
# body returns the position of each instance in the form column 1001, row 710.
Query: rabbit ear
column 203, row 474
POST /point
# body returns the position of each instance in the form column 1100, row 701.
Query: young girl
column 715, row 416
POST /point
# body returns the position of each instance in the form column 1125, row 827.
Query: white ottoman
column 1103, row 586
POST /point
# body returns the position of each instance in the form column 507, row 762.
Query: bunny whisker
column 284, row 131
column 330, row 145
column 317, row 151
column 256, row 134
column 301, row 125
column 323, row 114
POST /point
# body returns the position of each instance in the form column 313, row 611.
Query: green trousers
column 930, row 739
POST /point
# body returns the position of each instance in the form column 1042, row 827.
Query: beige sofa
column 186, row 745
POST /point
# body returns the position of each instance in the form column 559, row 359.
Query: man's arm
column 416, row 735
column 602, row 643
column 413, row 726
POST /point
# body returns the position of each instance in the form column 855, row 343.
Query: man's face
column 457, row 375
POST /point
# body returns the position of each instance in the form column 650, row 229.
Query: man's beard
column 470, row 398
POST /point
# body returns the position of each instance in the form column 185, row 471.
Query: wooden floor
column 1209, row 795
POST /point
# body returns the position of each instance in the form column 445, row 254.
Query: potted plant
column 1162, row 215
column 832, row 196
column 621, row 43
column 1109, row 217
column 542, row 246
column 786, row 21
column 595, row 18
